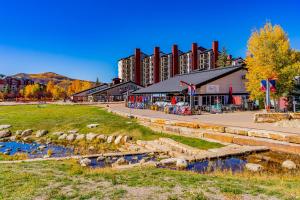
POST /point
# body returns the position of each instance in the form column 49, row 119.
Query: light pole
column 268, row 96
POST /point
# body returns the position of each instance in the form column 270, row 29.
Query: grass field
column 67, row 180
column 69, row 117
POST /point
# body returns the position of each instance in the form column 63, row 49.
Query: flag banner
column 192, row 90
column 263, row 85
column 272, row 85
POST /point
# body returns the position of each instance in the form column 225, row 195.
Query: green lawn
column 68, row 117
column 67, row 180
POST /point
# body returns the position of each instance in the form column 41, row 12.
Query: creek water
column 233, row 164
column 131, row 159
column 34, row 150
column 271, row 161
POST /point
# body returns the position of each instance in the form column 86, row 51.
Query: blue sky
column 84, row 38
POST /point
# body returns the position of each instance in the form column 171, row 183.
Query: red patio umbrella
column 132, row 99
column 173, row 101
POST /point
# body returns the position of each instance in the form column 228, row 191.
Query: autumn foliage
column 54, row 91
column 77, row 86
column 270, row 56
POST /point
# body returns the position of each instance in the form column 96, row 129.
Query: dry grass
column 67, row 180
column 17, row 156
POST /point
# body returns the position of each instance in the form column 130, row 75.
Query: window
column 196, row 103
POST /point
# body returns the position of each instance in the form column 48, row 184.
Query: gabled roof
column 92, row 88
column 201, row 48
column 113, row 86
column 197, row 78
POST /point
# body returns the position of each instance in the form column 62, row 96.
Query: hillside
column 44, row 77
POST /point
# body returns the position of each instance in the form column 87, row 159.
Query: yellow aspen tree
column 50, row 86
column 86, row 85
column 268, row 54
column 1, row 96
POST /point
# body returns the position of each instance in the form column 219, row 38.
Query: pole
column 191, row 101
column 268, row 96
column 294, row 104
column 130, row 109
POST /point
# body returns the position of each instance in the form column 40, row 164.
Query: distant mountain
column 44, row 77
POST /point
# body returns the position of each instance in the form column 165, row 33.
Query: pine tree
column 223, row 59
column 97, row 81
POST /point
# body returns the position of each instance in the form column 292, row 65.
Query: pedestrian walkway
column 236, row 119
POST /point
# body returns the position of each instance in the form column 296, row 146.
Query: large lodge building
column 155, row 76
column 146, row 69
column 13, row 85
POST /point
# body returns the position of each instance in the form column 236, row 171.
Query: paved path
column 237, row 119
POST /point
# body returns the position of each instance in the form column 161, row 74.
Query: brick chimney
column 156, row 64
column 194, row 56
column 215, row 48
column 174, row 60
column 116, row 81
column 137, row 66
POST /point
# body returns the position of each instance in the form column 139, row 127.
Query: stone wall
column 274, row 117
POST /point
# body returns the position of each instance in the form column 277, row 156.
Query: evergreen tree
column 224, row 59
column 97, row 81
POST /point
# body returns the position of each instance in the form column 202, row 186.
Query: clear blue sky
column 85, row 38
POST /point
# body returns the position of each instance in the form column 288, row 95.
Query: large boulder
column 91, row 136
column 27, row 139
column 42, row 147
column 110, row 139
column 5, row 133
column 5, row 126
column 19, row 132
column 118, row 140
column 181, row 163
column 71, row 137
column 41, row 133
column 92, row 125
column 102, row 137
column 288, row 164
column 168, row 161
column 62, row 137
column 58, row 133
column 254, row 167
column 13, row 138
column 80, row 137
column 73, row 131
column 121, row 161
column 142, row 161
column 85, row 162
column 27, row 132
column 100, row 158
column 126, row 138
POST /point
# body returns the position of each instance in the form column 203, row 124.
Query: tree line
column 51, row 90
